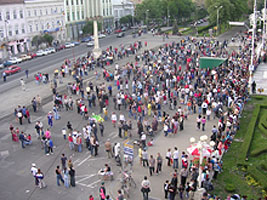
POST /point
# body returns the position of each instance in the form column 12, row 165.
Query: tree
column 126, row 19
column 37, row 40
column 48, row 38
column 89, row 27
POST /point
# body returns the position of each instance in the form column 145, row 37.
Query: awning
column 51, row 30
column 210, row 62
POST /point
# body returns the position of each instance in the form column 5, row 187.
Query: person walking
column 184, row 175
column 63, row 160
column 22, row 83
column 203, row 122
column 27, row 73
column 145, row 188
column 59, row 176
column 145, row 158
column 40, row 177
column 151, row 165
column 169, row 157
column 166, row 189
column 72, row 176
column 34, row 172
column 102, row 191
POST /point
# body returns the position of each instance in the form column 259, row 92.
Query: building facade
column 13, row 28
column 45, row 17
column 78, row 12
column 122, row 8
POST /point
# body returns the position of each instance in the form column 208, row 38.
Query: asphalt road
column 47, row 63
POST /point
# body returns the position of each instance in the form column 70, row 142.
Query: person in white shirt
column 145, row 188
column 114, row 119
column 175, row 157
column 34, row 172
column 122, row 118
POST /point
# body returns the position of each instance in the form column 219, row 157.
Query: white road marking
column 94, row 183
column 89, row 176
column 84, row 160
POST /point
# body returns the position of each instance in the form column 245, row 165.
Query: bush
column 258, row 175
column 230, row 187
column 263, row 124
column 258, row 151
column 249, row 135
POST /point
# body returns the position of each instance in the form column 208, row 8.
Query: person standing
column 145, row 188
column 102, row 191
column 40, row 177
column 66, row 177
column 59, row 176
column 4, row 76
column 145, row 158
column 34, row 172
column 166, row 189
column 184, row 175
column 151, row 165
column 172, row 192
column 159, row 163
column 27, row 73
column 63, row 161
column 108, row 148
column 203, row 122
column 72, row 176
column 22, row 83
column 168, row 157
column 175, row 157
column 120, row 195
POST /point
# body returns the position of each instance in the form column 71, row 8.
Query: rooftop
column 4, row 2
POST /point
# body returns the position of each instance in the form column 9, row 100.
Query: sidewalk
column 260, row 77
column 161, row 144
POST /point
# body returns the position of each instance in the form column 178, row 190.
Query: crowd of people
column 159, row 90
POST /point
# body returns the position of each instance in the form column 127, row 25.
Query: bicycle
column 128, row 179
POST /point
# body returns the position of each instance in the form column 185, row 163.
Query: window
column 36, row 27
column 67, row 2
column 52, row 11
column 29, row 13
column 53, row 24
column 41, row 12
column 46, row 11
column 10, row 31
column 8, row 16
column 72, row 2
column 73, row 16
column 0, row 16
column 16, row 29
column 77, row 2
column 21, row 14
column 56, row 10
column 82, row 14
column 107, row 11
column 35, row 12
column 14, row 14
column 68, row 16
column 42, row 26
column 22, row 28
column 82, row 2
column 110, row 11
column 30, row 28
column 78, row 15
column 2, row 32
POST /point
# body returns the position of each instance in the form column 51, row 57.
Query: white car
column 41, row 53
column 90, row 44
column 15, row 60
column 52, row 49
column 2, row 66
column 47, row 50
column 69, row 45
column 101, row 36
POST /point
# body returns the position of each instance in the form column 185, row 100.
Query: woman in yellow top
column 149, row 107
column 140, row 155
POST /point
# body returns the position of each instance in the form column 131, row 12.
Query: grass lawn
column 236, row 176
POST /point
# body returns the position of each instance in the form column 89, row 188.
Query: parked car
column 118, row 31
column 7, row 63
column 12, row 70
column 1, row 65
column 25, row 57
column 69, row 45
column 15, row 60
column 90, row 44
column 52, row 49
column 33, row 55
column 120, row 35
column 86, row 39
column 101, row 36
column 41, row 53
column 76, row 43
column 60, row 47
column 123, row 29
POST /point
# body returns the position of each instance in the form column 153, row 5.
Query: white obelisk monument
column 96, row 51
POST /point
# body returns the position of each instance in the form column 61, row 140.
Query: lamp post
column 218, row 16
column 168, row 15
column 251, row 67
column 201, row 145
column 147, row 17
column 264, row 27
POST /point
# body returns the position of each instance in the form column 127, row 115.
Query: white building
column 122, row 8
column 13, row 28
column 45, row 17
column 107, row 15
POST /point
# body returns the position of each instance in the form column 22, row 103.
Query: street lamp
column 147, row 16
column 218, row 10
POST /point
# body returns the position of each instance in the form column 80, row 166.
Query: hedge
column 249, row 135
column 258, row 175
column 258, row 151
column 263, row 124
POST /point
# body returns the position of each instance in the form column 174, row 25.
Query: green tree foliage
column 48, row 38
column 232, row 10
column 157, row 10
column 37, row 40
column 126, row 19
column 89, row 27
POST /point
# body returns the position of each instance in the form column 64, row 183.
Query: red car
column 33, row 55
column 118, row 31
column 12, row 70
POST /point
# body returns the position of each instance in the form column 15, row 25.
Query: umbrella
column 97, row 118
column 194, row 150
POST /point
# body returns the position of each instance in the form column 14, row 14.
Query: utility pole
column 251, row 67
column 264, row 27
